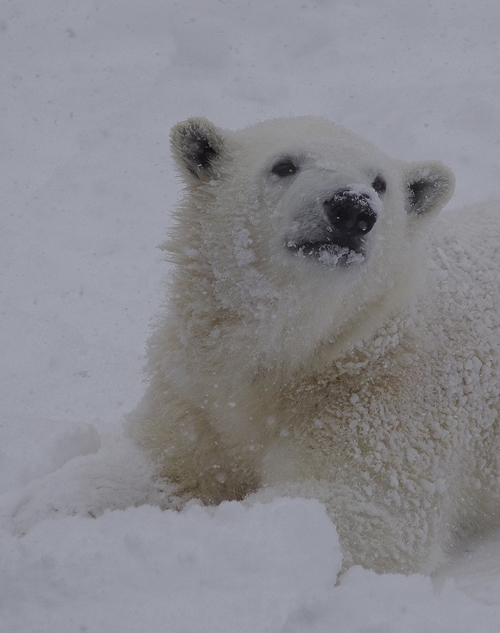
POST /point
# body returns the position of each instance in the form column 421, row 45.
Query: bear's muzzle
column 339, row 238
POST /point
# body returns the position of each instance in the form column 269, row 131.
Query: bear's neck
column 222, row 369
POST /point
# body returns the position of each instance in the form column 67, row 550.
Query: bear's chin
column 328, row 254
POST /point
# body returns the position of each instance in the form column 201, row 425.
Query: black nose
column 350, row 214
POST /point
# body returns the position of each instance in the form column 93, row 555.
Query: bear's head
column 294, row 235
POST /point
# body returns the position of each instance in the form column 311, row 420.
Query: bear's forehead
column 306, row 137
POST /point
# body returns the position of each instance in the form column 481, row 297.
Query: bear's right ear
column 197, row 145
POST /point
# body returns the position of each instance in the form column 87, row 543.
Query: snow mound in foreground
column 269, row 567
column 256, row 566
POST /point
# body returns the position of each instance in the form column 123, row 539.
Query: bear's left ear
column 429, row 186
column 197, row 146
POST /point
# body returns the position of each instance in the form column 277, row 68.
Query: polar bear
column 326, row 335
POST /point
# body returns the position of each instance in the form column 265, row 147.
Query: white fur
column 373, row 387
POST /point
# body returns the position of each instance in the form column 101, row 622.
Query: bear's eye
column 379, row 184
column 285, row 167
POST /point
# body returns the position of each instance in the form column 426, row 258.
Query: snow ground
column 89, row 90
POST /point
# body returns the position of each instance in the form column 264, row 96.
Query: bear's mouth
column 329, row 253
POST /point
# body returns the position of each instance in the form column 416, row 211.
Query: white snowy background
column 88, row 92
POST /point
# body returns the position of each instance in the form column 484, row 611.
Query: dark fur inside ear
column 196, row 145
column 429, row 186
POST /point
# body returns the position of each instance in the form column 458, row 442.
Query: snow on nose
column 351, row 214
